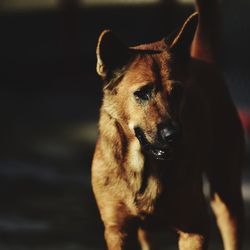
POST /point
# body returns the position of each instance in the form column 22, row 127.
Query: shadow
column 49, row 104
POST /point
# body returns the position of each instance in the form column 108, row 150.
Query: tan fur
column 137, row 194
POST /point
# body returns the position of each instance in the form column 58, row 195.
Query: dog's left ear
column 111, row 54
column 180, row 44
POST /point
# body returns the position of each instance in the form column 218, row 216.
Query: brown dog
column 166, row 118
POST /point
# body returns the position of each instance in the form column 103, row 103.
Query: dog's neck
column 124, row 147
column 129, row 163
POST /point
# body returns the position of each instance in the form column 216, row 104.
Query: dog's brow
column 144, row 84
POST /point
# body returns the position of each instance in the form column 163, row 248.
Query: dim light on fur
column 167, row 118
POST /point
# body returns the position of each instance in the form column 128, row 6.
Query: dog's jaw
column 158, row 152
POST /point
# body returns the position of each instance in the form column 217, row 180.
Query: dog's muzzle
column 163, row 148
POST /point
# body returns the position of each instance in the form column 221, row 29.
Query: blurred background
column 49, row 105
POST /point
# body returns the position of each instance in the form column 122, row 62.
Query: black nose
column 169, row 133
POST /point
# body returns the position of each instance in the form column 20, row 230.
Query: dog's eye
column 144, row 94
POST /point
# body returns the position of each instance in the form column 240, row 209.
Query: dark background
column 49, row 105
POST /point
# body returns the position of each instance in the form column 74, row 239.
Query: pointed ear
column 111, row 54
column 181, row 43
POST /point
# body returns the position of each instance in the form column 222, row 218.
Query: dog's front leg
column 114, row 238
column 191, row 241
column 118, row 238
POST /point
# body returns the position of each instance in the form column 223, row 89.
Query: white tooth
column 159, row 152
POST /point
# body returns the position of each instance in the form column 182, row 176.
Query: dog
column 166, row 119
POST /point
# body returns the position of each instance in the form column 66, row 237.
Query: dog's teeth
column 158, row 152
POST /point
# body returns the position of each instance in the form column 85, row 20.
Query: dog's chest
column 144, row 183
column 146, row 197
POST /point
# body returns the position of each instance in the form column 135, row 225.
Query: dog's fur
column 136, row 191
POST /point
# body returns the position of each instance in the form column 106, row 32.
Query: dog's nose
column 169, row 133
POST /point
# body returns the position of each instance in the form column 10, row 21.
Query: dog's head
column 144, row 87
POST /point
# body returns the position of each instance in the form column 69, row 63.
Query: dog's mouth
column 158, row 151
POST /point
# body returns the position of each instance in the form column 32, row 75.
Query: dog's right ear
column 112, row 55
column 180, row 44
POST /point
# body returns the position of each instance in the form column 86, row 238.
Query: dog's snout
column 169, row 133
